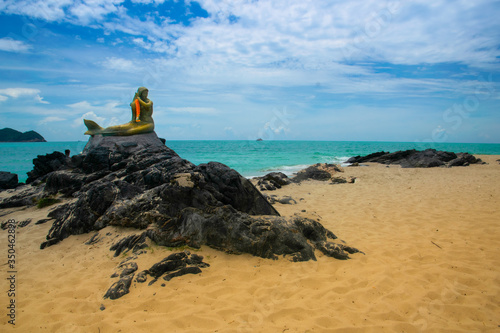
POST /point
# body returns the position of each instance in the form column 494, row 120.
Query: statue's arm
column 144, row 103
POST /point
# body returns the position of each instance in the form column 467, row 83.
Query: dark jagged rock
column 419, row 159
column 8, row 180
column 138, row 182
column 273, row 181
column 42, row 221
column 134, row 243
column 120, row 288
column 142, row 277
column 176, row 264
column 144, row 184
column 230, row 188
column 126, row 272
column 25, row 196
column 49, row 242
column 22, row 224
column 182, row 271
column 93, row 240
column 312, row 172
column 234, row 232
column 128, row 268
column 464, row 159
column 319, row 171
column 45, row 164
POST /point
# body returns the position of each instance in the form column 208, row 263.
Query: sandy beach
column 430, row 237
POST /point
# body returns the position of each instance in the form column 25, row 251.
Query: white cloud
column 157, row 2
column 106, row 107
column 39, row 99
column 104, row 113
column 88, row 115
column 255, row 33
column 95, row 10
column 81, row 12
column 20, row 92
column 50, row 10
column 51, row 119
column 17, row 92
column 119, row 64
column 11, row 45
column 83, row 105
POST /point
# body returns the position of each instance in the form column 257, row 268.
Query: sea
column 249, row 158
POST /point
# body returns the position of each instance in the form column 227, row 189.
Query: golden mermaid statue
column 142, row 120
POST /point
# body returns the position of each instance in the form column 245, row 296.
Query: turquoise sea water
column 250, row 158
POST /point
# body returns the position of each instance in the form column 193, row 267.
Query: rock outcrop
column 419, row 159
column 320, row 171
column 272, row 181
column 175, row 265
column 8, row 180
column 45, row 164
column 138, row 182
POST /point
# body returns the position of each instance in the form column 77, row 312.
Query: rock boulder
column 138, row 182
column 8, row 180
column 418, row 159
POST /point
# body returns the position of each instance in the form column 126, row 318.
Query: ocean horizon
column 249, row 158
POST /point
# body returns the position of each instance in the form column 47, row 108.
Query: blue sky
column 280, row 70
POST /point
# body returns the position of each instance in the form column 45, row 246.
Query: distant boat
column 259, row 139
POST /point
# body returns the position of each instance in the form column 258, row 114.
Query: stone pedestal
column 129, row 144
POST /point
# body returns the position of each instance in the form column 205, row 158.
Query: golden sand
column 431, row 239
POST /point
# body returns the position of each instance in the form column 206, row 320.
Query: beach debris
column 436, row 244
column 419, row 159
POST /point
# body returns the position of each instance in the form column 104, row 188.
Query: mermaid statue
column 142, row 120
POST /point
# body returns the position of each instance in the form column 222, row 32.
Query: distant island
column 11, row 135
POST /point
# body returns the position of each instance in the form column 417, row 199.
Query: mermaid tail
column 92, row 127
